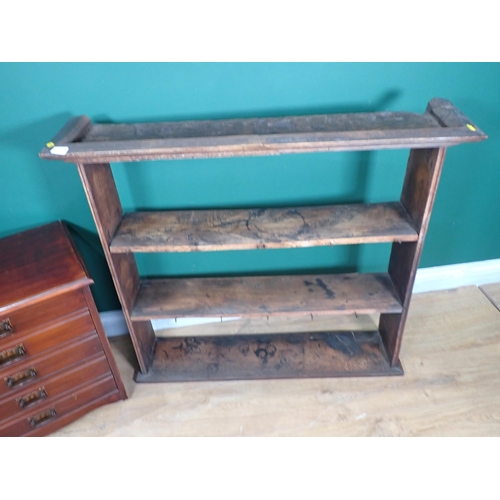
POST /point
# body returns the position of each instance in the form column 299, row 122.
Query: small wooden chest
column 55, row 360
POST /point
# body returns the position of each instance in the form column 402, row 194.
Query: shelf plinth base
column 295, row 355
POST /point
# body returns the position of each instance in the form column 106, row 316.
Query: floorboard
column 450, row 356
column 492, row 291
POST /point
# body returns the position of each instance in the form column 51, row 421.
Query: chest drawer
column 28, row 399
column 34, row 371
column 37, row 316
column 55, row 360
column 24, row 347
column 53, row 413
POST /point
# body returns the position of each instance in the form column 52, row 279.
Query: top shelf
column 81, row 141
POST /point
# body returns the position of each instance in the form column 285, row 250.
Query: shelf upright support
column 417, row 197
column 105, row 205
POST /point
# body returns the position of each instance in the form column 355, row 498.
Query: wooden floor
column 451, row 358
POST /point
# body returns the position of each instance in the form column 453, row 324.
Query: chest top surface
column 37, row 264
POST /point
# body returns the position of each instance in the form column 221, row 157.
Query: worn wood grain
column 104, row 200
column 176, row 149
column 417, row 196
column 260, row 126
column 73, row 130
column 290, row 355
column 265, row 295
column 450, row 388
column 105, row 205
column 267, row 136
column 448, row 115
column 213, row 230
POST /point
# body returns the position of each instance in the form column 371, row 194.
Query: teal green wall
column 37, row 99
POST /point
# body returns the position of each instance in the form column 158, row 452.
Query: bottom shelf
column 293, row 355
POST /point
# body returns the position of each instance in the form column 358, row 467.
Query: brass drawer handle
column 32, row 397
column 6, row 328
column 43, row 417
column 21, row 377
column 10, row 355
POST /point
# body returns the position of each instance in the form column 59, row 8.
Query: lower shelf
column 296, row 355
column 248, row 296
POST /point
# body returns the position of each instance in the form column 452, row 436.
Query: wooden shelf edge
column 272, row 356
column 258, row 296
column 159, row 150
column 442, row 125
column 262, row 228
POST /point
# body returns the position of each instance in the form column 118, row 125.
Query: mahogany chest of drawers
column 55, row 360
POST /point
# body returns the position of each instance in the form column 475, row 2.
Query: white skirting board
column 428, row 279
column 431, row 279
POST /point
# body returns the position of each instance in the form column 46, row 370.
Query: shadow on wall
column 44, row 191
column 49, row 191
column 383, row 103
column 90, row 249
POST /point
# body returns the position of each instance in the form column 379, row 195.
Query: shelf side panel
column 106, row 209
column 297, row 227
column 418, row 195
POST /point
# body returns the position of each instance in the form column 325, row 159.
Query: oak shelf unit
column 92, row 147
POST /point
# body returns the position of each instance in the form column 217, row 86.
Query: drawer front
column 36, row 316
column 53, row 414
column 35, row 371
column 26, row 400
column 18, row 350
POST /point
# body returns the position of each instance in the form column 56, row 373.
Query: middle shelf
column 266, row 295
column 272, row 228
